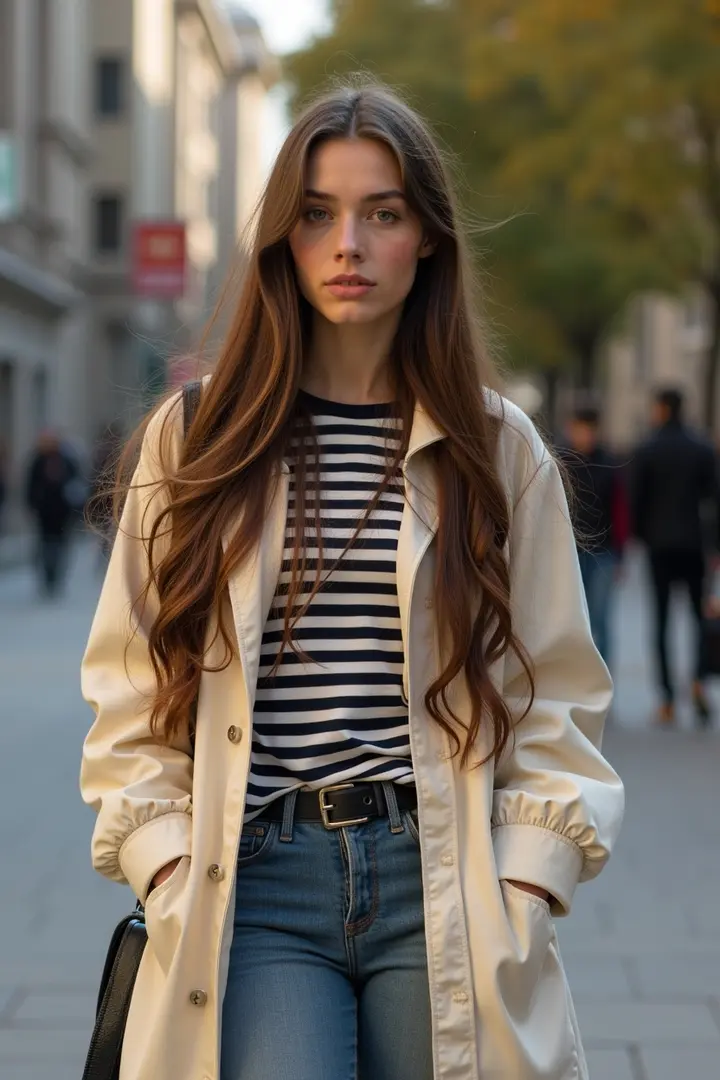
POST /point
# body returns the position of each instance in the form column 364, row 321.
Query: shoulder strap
column 192, row 392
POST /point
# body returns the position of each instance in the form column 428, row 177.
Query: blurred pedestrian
column 52, row 494
column 675, row 493
column 3, row 481
column 601, row 517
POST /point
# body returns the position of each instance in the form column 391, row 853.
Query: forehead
column 351, row 168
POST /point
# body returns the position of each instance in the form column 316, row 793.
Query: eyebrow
column 378, row 196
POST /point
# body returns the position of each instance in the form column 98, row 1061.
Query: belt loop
column 286, row 831
column 396, row 825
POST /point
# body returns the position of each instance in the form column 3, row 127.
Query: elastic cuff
column 539, row 856
column 152, row 846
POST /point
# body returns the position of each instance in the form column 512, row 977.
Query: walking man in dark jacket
column 675, row 500
column 50, row 498
column 600, row 517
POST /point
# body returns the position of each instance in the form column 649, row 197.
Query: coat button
column 429, row 602
column 447, row 860
column 216, row 872
column 460, row 997
column 234, row 734
column 198, row 997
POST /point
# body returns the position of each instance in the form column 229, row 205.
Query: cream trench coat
column 548, row 814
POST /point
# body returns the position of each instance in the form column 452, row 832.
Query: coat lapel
column 252, row 586
column 419, row 522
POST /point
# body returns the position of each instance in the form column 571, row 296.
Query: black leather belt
column 344, row 804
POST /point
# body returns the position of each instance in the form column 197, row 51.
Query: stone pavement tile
column 57, row 1009
column 597, row 976
column 64, row 1045
column 43, row 1070
column 673, row 1062
column 673, row 974
column 624, row 946
column 39, row 971
column 647, row 1022
column 7, row 990
column 609, row 1065
column 703, row 914
column 630, row 922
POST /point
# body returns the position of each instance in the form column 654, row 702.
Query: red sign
column 159, row 259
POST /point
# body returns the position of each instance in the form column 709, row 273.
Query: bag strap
column 192, row 393
column 121, row 968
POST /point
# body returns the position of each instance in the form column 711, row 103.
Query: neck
column 350, row 364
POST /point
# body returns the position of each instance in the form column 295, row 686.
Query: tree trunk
column 712, row 360
column 586, row 371
column 550, row 409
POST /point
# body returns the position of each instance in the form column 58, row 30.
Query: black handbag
column 128, row 941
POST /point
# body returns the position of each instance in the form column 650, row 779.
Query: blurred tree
column 634, row 87
column 562, row 267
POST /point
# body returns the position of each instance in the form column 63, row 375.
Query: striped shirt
column 342, row 716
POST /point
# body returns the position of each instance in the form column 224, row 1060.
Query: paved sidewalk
column 642, row 946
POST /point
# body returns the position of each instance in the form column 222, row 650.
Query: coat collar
column 424, row 433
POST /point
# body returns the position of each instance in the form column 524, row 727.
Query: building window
column 109, row 86
column 108, row 224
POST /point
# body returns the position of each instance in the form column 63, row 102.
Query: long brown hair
column 249, row 413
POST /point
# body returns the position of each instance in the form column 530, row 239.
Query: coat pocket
column 165, row 914
column 533, row 987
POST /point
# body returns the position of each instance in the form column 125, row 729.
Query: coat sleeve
column 557, row 804
column 140, row 787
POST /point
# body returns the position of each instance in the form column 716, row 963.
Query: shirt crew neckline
column 324, row 407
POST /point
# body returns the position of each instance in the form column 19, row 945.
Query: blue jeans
column 598, row 574
column 328, row 971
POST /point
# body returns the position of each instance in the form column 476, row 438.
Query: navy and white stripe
column 342, row 716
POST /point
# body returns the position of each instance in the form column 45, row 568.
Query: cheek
column 401, row 255
column 304, row 254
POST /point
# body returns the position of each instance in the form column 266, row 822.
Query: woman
column 351, row 770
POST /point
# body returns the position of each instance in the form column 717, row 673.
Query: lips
column 350, row 279
column 349, row 286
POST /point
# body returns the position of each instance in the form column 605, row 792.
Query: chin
column 355, row 319
column 352, row 315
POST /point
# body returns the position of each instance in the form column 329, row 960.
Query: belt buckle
column 325, row 807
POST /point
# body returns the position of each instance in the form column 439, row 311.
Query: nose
column 349, row 245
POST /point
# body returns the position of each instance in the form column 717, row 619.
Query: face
column 48, row 442
column 659, row 414
column 357, row 243
column 583, row 436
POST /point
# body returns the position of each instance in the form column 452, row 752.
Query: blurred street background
column 135, row 137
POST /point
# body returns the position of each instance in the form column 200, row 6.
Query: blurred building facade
column 114, row 115
column 45, row 156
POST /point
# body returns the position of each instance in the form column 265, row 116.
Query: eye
column 316, row 214
column 386, row 217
